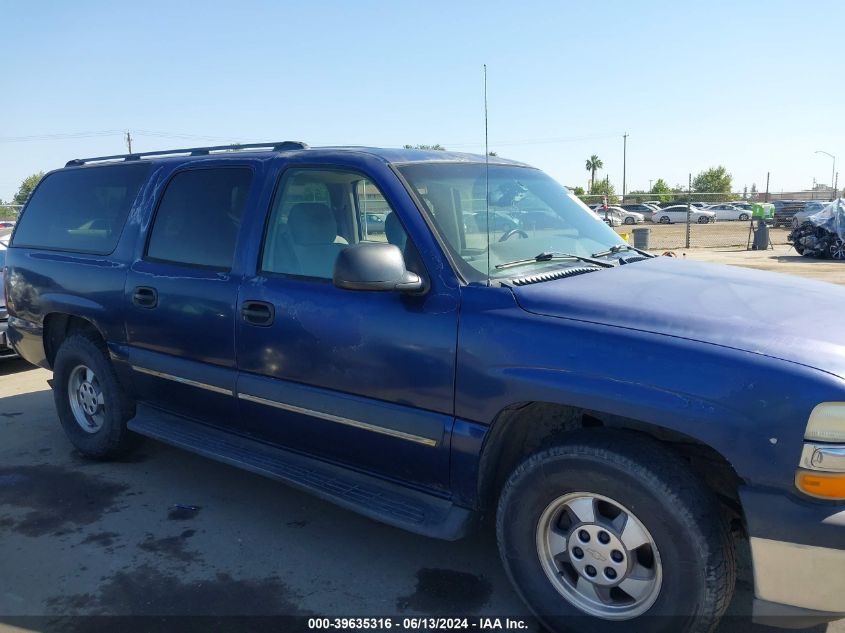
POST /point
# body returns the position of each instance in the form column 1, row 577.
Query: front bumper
column 803, row 576
column 798, row 554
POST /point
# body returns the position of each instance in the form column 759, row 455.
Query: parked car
column 729, row 212
column 374, row 222
column 6, row 351
column 7, row 224
column 741, row 204
column 785, row 210
column 810, row 208
column 645, row 210
column 611, row 219
column 678, row 213
column 626, row 217
column 499, row 222
column 614, row 411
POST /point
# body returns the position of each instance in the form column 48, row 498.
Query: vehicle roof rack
column 277, row 146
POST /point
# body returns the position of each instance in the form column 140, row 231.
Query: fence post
column 689, row 208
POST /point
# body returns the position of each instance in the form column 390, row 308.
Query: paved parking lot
column 87, row 538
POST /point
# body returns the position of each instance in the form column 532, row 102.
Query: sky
column 757, row 86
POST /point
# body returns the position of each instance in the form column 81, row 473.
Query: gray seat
column 313, row 230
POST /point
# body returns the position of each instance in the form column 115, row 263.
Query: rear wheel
column 837, row 250
column 630, row 220
column 743, row 217
column 664, row 219
column 610, row 532
column 92, row 406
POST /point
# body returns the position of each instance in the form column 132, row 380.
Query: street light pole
column 832, row 171
column 624, row 162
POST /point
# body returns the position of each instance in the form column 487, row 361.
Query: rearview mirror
column 374, row 266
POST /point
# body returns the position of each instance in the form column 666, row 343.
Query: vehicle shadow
column 14, row 366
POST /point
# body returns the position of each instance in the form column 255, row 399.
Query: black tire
column 743, row 217
column 682, row 515
column 630, row 220
column 665, row 220
column 112, row 439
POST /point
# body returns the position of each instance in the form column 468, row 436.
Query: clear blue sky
column 756, row 86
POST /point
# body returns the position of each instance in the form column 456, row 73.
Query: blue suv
column 623, row 417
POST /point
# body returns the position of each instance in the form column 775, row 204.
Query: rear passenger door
column 181, row 291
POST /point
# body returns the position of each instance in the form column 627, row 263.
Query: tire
column 693, row 568
column 630, row 220
column 95, row 419
column 743, row 217
column 703, row 219
column 664, row 219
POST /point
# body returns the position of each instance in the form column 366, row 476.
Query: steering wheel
column 522, row 235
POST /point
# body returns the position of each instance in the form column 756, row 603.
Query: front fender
column 750, row 408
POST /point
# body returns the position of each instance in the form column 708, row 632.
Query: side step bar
column 371, row 496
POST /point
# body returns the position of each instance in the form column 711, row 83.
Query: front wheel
column 612, row 532
column 743, row 217
column 630, row 220
column 665, row 219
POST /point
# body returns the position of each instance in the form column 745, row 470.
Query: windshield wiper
column 618, row 248
column 547, row 257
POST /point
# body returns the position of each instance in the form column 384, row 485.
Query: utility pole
column 767, row 185
column 624, row 162
column 129, row 141
column 649, row 185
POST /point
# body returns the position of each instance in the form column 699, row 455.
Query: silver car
column 678, row 214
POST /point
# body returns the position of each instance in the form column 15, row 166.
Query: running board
column 371, row 496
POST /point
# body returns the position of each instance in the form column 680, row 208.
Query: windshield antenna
column 486, row 175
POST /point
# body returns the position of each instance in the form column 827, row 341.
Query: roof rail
column 278, row 146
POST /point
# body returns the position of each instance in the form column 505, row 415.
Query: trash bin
column 641, row 238
column 761, row 236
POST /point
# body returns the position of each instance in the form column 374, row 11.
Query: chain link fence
column 696, row 220
column 10, row 211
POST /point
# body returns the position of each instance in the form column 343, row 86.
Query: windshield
column 530, row 214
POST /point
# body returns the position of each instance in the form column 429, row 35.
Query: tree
column 26, row 188
column 753, row 194
column 662, row 190
column 491, row 153
column 594, row 163
column 604, row 188
column 436, row 146
column 579, row 191
column 713, row 180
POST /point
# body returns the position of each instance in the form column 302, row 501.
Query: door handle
column 145, row 297
column 258, row 313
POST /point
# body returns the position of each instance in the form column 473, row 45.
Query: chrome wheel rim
column 837, row 250
column 599, row 556
column 87, row 402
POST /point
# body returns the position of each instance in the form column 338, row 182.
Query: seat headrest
column 312, row 223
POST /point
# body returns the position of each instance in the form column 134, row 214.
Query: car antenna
column 486, row 175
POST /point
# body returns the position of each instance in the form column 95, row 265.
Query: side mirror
column 374, row 266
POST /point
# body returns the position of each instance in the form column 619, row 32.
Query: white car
column 678, row 213
column 627, row 217
column 729, row 212
column 608, row 218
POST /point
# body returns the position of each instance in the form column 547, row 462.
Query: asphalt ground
column 165, row 533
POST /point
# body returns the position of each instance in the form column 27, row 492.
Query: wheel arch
column 523, row 428
column 57, row 326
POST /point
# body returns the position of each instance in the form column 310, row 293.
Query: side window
column 199, row 217
column 316, row 213
column 81, row 210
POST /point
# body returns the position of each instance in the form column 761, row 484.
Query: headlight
column 827, row 423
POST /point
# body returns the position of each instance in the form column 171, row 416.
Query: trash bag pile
column 822, row 235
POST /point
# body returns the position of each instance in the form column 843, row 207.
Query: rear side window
column 199, row 217
column 81, row 210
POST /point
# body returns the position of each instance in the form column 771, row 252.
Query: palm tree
column 594, row 163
